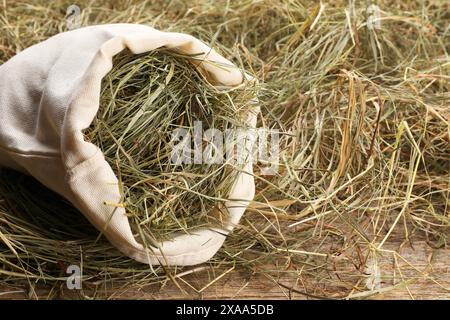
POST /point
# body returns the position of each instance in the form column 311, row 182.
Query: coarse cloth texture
column 49, row 94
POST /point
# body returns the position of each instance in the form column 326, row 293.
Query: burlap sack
column 50, row 92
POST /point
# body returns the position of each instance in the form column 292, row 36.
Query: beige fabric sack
column 50, row 92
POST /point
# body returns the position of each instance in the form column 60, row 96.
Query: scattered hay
column 364, row 152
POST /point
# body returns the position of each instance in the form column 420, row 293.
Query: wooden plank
column 414, row 272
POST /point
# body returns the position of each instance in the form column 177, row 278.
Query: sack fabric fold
column 50, row 92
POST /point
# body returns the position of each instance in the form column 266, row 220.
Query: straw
column 144, row 100
column 362, row 108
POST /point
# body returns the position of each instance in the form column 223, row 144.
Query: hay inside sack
column 144, row 99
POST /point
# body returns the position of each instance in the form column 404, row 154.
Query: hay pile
column 144, row 99
column 365, row 147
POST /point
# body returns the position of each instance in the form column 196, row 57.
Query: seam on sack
column 31, row 153
column 72, row 173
